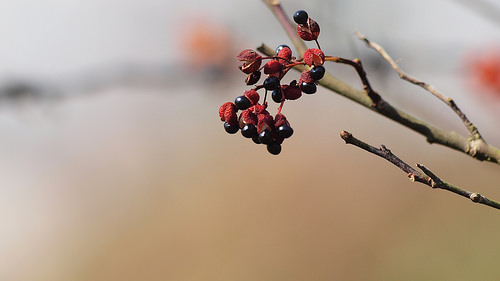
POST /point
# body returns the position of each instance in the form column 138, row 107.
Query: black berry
column 242, row 103
column 281, row 47
column 249, row 131
column 256, row 139
column 271, row 83
column 300, row 17
column 274, row 148
column 317, row 72
column 285, row 131
column 231, row 129
column 308, row 88
column 265, row 137
column 277, row 95
column 253, row 78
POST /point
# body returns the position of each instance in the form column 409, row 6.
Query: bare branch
column 428, row 178
column 474, row 133
column 474, row 146
column 476, row 149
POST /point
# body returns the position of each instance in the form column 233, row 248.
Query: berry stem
column 294, row 64
column 317, row 43
column 282, row 100
column 277, row 58
column 356, row 63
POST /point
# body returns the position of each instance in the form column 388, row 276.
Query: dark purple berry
column 285, row 131
column 265, row 137
column 253, row 78
column 308, row 88
column 242, row 103
column 317, row 72
column 281, row 47
column 300, row 17
column 249, row 131
column 277, row 95
column 256, row 139
column 271, row 83
column 274, row 148
column 231, row 129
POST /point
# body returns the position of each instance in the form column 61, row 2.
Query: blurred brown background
column 115, row 166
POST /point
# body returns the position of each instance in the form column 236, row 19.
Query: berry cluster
column 249, row 116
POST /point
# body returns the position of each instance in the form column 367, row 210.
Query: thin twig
column 428, row 178
column 474, row 133
column 356, row 63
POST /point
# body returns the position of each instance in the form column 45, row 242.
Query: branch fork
column 428, row 177
column 474, row 145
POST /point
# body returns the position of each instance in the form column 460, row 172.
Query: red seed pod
column 308, row 32
column 253, row 96
column 314, row 57
column 306, row 77
column 259, row 108
column 279, row 120
column 272, row 67
column 265, row 121
column 251, row 61
column 222, row 109
column 230, row 114
column 248, row 117
column 314, row 27
column 285, row 53
column 292, row 91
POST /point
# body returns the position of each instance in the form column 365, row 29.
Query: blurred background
column 114, row 164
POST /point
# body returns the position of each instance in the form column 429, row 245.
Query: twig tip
column 345, row 135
